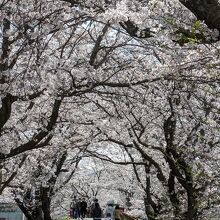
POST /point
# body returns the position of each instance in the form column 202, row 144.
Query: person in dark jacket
column 83, row 208
column 96, row 212
column 78, row 209
column 92, row 207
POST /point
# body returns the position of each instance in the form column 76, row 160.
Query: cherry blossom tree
column 142, row 76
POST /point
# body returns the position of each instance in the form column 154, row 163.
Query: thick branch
column 35, row 141
column 134, row 31
column 7, row 101
column 5, row 47
column 13, row 175
column 5, row 110
column 96, row 47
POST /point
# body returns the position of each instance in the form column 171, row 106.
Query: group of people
column 79, row 209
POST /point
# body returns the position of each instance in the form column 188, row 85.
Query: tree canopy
column 131, row 83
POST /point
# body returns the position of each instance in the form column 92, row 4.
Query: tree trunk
column 25, row 210
column 148, row 209
column 173, row 195
column 38, row 209
column 151, row 208
column 46, row 200
column 192, row 209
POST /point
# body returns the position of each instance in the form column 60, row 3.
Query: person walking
column 73, row 208
column 83, row 207
column 109, row 211
column 96, row 212
column 78, row 209
column 92, row 207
